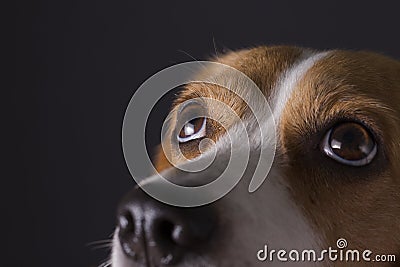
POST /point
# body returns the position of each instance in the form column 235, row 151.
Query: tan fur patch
column 263, row 65
column 361, row 204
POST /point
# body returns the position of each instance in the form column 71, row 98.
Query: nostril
column 126, row 222
column 175, row 233
column 163, row 230
column 127, row 233
column 166, row 233
column 172, row 233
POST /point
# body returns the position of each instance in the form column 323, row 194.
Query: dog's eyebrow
column 186, row 94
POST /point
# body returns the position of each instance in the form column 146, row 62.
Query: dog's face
column 336, row 172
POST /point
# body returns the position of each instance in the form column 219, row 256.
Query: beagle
column 334, row 183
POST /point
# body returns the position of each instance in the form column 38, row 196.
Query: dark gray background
column 77, row 65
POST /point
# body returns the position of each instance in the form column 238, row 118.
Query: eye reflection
column 193, row 129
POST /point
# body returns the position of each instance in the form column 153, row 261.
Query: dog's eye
column 350, row 143
column 192, row 121
column 193, row 129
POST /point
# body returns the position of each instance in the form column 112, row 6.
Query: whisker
column 192, row 57
column 215, row 48
column 106, row 263
column 111, row 235
column 186, row 53
column 109, row 245
column 99, row 242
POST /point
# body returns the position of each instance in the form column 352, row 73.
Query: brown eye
column 350, row 143
column 193, row 129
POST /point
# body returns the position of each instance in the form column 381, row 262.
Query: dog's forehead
column 345, row 85
column 347, row 75
column 320, row 80
column 263, row 65
column 369, row 73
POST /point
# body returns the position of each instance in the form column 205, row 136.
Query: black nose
column 153, row 233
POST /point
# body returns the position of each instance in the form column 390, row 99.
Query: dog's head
column 336, row 171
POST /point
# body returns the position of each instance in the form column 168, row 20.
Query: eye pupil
column 351, row 141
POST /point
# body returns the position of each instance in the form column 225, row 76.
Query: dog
column 335, row 175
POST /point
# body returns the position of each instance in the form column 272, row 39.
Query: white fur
column 289, row 80
column 267, row 216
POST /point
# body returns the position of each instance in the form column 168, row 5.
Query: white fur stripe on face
column 272, row 208
column 289, row 79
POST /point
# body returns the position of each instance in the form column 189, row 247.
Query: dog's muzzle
column 150, row 231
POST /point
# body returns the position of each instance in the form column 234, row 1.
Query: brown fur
column 361, row 204
column 263, row 65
